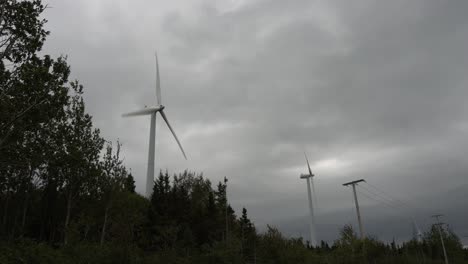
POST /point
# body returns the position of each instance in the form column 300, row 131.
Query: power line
column 391, row 197
column 395, row 214
column 393, row 200
column 378, row 200
column 402, row 204
column 384, row 199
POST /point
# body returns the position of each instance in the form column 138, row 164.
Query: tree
column 113, row 181
column 221, row 204
column 348, row 246
column 21, row 30
column 27, row 82
column 80, row 151
column 452, row 243
column 33, row 94
column 247, row 235
column 130, row 183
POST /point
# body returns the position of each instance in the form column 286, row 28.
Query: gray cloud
column 371, row 90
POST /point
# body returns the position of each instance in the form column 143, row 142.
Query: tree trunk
column 5, row 212
column 25, row 211
column 86, row 232
column 132, row 238
column 242, row 241
column 26, row 203
column 67, row 218
column 14, row 226
column 103, row 232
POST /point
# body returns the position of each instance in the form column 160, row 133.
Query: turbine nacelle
column 305, row 176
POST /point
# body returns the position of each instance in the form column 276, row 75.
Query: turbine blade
column 308, row 165
column 173, row 133
column 145, row 111
column 158, row 84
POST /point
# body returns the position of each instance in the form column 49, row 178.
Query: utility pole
column 354, row 183
column 439, row 224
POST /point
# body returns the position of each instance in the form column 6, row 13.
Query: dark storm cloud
column 369, row 89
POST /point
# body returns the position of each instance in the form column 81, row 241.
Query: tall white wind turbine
column 308, row 177
column 314, row 193
column 152, row 111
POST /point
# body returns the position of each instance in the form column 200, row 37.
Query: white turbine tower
column 308, row 177
column 152, row 111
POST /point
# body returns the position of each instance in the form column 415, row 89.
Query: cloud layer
column 369, row 89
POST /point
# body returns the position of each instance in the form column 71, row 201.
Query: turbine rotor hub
column 159, row 107
column 305, row 176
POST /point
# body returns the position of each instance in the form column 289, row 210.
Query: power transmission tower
column 354, row 183
column 439, row 224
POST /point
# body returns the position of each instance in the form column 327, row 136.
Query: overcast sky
column 369, row 89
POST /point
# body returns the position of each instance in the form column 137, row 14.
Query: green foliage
column 273, row 247
column 432, row 245
column 27, row 251
column 21, row 30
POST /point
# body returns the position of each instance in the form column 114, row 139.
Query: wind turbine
column 417, row 235
column 308, row 177
column 152, row 111
column 314, row 193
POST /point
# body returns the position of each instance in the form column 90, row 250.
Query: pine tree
column 130, row 183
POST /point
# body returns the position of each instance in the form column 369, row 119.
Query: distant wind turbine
column 308, row 177
column 153, row 111
column 314, row 193
column 417, row 235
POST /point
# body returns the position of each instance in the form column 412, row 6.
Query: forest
column 67, row 197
